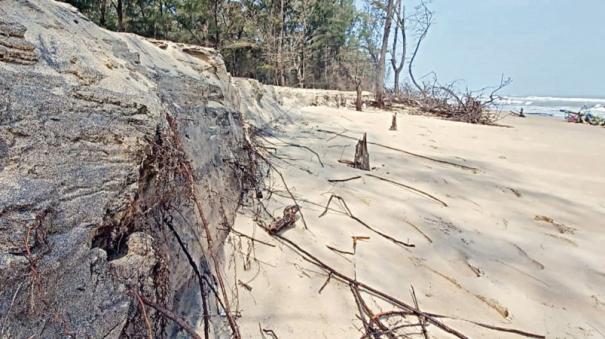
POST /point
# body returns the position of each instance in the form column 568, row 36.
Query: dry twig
column 350, row 214
column 410, row 188
column 344, row 180
column 408, row 309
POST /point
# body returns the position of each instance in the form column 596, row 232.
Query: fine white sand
column 491, row 257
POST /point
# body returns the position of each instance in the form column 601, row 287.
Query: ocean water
column 552, row 106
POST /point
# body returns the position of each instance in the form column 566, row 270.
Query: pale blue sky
column 548, row 47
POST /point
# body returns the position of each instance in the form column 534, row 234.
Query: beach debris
column 402, row 308
column 583, row 118
column 421, row 319
column 515, row 192
column 474, row 169
column 492, row 303
column 363, row 223
column 244, row 285
column 535, row 263
column 325, row 283
column 287, row 220
column 475, row 107
column 355, row 240
column 394, row 122
column 562, row 228
column 419, row 230
column 344, row 180
column 332, row 248
column 409, row 188
column 268, row 332
column 362, row 157
column 476, row 270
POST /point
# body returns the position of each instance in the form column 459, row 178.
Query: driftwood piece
column 287, row 220
column 362, row 157
column 394, row 122
column 344, row 180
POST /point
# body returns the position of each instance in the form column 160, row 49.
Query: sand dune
column 519, row 244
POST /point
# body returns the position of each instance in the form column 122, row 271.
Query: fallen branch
column 339, row 251
column 325, row 283
column 364, row 306
column 419, row 230
column 350, row 214
column 344, row 180
column 170, row 315
column 420, row 318
column 362, row 317
column 509, row 330
column 410, row 188
column 429, row 317
column 308, row 149
column 405, row 152
column 314, row 260
column 269, row 332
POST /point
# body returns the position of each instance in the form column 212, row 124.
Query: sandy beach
column 512, row 238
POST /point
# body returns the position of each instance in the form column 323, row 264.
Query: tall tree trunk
column 120, row 10
column 103, row 12
column 301, row 69
column 217, row 32
column 326, row 82
column 381, row 71
column 280, row 46
column 400, row 27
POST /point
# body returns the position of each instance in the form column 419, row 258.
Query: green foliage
column 290, row 42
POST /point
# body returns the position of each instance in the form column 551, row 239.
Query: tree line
column 330, row 44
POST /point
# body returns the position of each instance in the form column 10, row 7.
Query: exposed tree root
column 144, row 311
column 170, row 315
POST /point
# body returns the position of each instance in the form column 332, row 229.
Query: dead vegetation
column 432, row 98
column 405, row 319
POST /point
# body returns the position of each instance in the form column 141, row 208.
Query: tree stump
column 394, row 122
column 362, row 157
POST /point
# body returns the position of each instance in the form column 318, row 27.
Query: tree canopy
column 302, row 43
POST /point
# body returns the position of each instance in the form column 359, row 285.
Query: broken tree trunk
column 394, row 123
column 362, row 157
